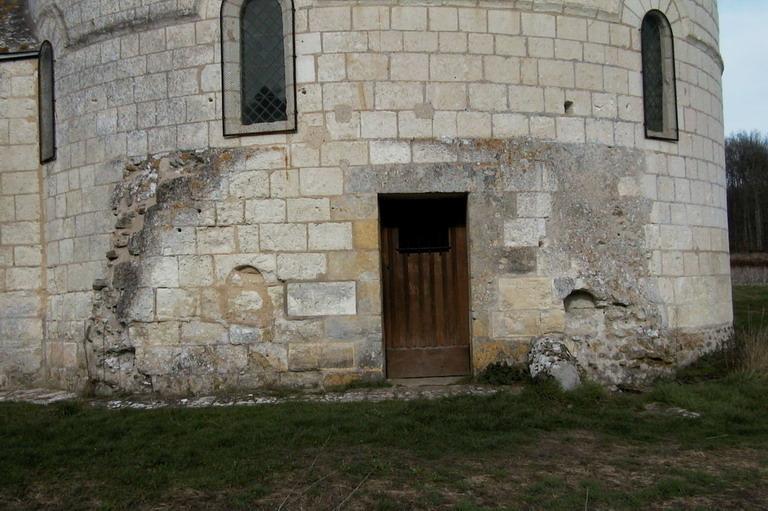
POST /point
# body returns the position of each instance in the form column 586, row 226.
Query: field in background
column 750, row 307
column 539, row 449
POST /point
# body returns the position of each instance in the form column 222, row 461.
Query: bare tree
column 746, row 166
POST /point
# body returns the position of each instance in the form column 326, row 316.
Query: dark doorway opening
column 425, row 278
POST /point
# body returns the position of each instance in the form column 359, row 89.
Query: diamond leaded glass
column 653, row 76
column 659, row 96
column 262, row 53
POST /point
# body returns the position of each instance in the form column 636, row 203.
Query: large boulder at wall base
column 549, row 357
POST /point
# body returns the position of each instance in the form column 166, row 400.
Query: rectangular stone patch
column 322, row 299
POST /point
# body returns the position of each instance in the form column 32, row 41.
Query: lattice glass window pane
column 47, row 128
column 263, row 93
column 653, row 75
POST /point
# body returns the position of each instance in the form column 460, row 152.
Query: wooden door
column 426, row 286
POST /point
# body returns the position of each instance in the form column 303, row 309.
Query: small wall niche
column 582, row 315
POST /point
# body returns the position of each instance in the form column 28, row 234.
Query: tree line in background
column 746, row 168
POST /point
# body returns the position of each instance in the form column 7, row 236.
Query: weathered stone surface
column 550, row 357
column 321, row 299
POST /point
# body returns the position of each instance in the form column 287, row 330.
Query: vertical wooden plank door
column 426, row 286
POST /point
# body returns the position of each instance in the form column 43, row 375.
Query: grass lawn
column 539, row 449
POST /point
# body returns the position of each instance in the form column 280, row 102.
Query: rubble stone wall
column 182, row 261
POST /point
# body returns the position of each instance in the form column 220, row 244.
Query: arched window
column 46, row 103
column 257, row 66
column 659, row 94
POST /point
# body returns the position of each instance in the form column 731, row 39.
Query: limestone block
column 455, row 68
column 524, row 232
column 447, row 96
column 452, row 42
column 385, row 41
column 265, row 210
column 355, row 95
column 354, row 153
column 354, row 207
column 330, row 236
column 443, row 19
column 389, row 152
column 344, row 42
column 305, row 69
column 321, row 181
column 331, row 68
column 378, row 124
column 510, row 125
column 322, row 19
column 175, row 304
column 142, row 306
column 433, row 152
column 571, row 28
column 473, row 20
column 474, row 124
column 202, row 333
column 525, row 293
column 268, row 355
column 247, row 185
column 336, row 356
column 540, row 25
column 502, row 69
column 514, row 323
column 308, row 210
column 481, row 44
column 154, row 334
column 367, row 66
column 215, row 240
column 308, row 43
column 410, row 67
column 303, row 357
column 541, row 48
column 20, row 233
column 398, row 95
column 409, row 18
column 248, row 238
column 195, row 271
column 534, row 205
column 556, row 73
column 599, row 131
column 411, row 125
column 22, row 278
column 321, row 299
column 526, row 99
column 570, row 130
column 504, row 22
column 420, row 41
column 161, row 272
column 370, row 18
column 301, row 266
column 283, row 237
column 488, row 97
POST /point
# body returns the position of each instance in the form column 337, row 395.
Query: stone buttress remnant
column 168, row 258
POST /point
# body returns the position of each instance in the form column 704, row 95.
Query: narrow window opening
column 257, row 66
column 46, row 104
column 659, row 94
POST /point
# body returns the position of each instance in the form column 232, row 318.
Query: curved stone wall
column 533, row 108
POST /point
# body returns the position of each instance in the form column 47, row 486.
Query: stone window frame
column 46, row 103
column 670, row 124
column 231, row 71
